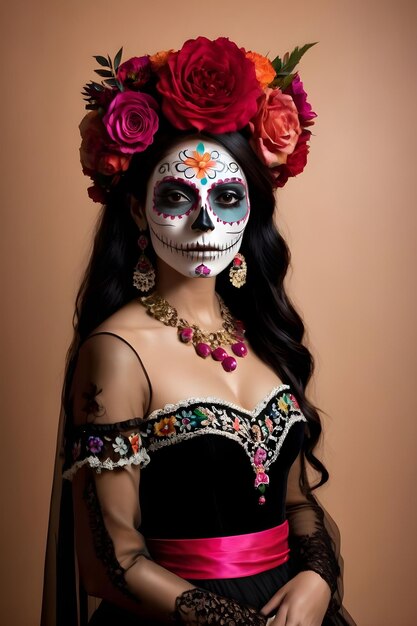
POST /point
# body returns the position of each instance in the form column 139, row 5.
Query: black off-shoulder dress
column 199, row 462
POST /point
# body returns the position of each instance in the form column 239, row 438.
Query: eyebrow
column 177, row 181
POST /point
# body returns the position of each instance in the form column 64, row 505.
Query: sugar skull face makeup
column 197, row 208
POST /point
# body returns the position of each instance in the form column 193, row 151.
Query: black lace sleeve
column 315, row 542
column 197, row 607
column 313, row 550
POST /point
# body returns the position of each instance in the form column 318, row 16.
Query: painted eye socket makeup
column 172, row 198
column 229, row 202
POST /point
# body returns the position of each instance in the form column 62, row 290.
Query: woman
column 187, row 450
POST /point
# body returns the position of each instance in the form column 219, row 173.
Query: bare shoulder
column 130, row 321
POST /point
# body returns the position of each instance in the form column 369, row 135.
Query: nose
column 203, row 221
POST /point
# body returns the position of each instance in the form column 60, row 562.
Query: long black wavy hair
column 273, row 327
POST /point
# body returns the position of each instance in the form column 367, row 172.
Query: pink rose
column 305, row 112
column 275, row 128
column 135, row 72
column 97, row 152
column 131, row 121
column 209, row 85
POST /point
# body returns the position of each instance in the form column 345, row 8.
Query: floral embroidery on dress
column 101, row 446
column 260, row 432
column 135, row 442
column 94, row 444
column 120, row 446
column 165, row 427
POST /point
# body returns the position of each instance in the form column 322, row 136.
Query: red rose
column 97, row 152
column 135, row 72
column 97, row 194
column 209, row 85
column 275, row 127
column 93, row 139
column 296, row 161
column 131, row 121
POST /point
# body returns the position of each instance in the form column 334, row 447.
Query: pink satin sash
column 223, row 557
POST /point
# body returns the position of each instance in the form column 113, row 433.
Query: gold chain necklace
column 205, row 343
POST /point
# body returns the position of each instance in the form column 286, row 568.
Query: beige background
column 350, row 220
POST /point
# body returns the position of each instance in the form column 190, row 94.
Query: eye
column 173, row 198
column 229, row 201
column 176, row 197
column 228, row 198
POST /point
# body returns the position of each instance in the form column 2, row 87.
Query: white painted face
column 197, row 208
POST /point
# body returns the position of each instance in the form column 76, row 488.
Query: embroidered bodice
column 260, row 433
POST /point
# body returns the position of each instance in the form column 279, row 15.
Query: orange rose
column 265, row 72
column 159, row 59
column 275, row 127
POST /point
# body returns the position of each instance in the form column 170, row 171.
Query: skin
column 303, row 601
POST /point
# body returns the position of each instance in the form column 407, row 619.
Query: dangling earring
column 144, row 273
column 237, row 272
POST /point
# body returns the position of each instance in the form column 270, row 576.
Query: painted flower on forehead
column 201, row 162
column 209, row 85
column 132, row 121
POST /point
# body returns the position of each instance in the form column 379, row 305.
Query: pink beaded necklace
column 205, row 343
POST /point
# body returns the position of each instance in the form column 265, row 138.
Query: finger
column 281, row 617
column 274, row 602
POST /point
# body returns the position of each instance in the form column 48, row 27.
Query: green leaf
column 199, row 413
column 277, row 64
column 111, row 82
column 291, row 60
column 104, row 73
column 261, row 488
column 117, row 59
column 110, row 64
column 102, row 61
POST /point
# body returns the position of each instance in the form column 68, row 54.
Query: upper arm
column 109, row 383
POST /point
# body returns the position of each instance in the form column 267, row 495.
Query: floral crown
column 207, row 86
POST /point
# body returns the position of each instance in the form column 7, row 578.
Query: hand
column 303, row 601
